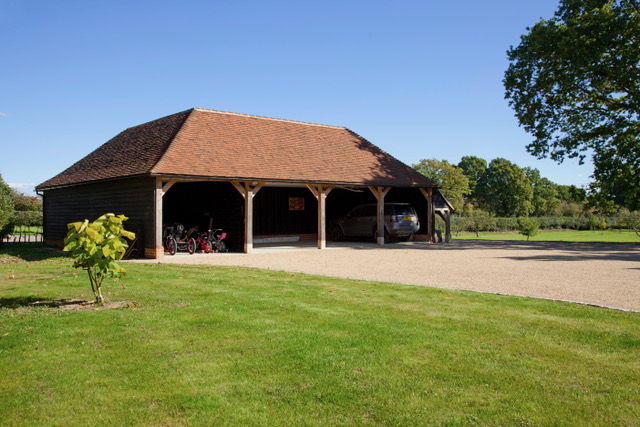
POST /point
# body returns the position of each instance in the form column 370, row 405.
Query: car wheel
column 336, row 233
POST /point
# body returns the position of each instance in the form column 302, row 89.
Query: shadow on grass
column 30, row 301
column 31, row 251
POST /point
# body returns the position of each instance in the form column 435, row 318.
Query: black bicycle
column 216, row 238
column 176, row 239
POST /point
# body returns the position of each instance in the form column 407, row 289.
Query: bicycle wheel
column 221, row 246
column 173, row 246
column 191, row 246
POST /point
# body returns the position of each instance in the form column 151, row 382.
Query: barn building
column 255, row 177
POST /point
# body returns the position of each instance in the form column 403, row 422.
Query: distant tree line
column 498, row 195
column 17, row 210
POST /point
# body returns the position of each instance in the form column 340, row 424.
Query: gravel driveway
column 605, row 274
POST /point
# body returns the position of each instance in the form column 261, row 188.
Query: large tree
column 474, row 169
column 453, row 183
column 545, row 193
column 505, row 190
column 574, row 83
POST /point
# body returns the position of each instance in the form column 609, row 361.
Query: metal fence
column 26, row 234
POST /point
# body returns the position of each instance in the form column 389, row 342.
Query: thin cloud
column 28, row 189
column 3, row 114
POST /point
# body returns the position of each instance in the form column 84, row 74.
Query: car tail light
column 394, row 218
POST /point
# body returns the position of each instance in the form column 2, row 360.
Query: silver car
column 400, row 221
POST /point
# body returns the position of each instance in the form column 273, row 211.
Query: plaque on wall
column 296, row 203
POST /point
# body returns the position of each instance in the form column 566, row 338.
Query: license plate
column 408, row 218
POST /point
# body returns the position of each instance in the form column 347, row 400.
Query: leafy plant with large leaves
column 96, row 246
column 574, row 83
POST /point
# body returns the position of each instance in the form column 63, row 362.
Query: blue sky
column 420, row 79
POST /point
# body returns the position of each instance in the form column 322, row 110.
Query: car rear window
column 404, row 210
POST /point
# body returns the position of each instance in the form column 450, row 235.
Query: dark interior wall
column 195, row 204
column 341, row 201
column 133, row 197
column 272, row 213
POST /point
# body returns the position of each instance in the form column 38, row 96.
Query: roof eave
column 293, row 181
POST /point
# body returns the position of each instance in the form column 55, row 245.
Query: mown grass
column 611, row 236
column 27, row 229
column 219, row 345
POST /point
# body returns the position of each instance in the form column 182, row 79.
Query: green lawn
column 23, row 229
column 612, row 236
column 213, row 345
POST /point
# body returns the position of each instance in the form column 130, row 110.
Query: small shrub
column 528, row 226
column 96, row 247
column 480, row 221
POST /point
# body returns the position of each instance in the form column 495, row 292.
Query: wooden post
column 380, row 193
column 158, row 250
column 248, row 191
column 447, row 236
column 427, row 193
column 321, row 194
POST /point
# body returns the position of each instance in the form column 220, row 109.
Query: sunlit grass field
column 611, row 236
column 234, row 346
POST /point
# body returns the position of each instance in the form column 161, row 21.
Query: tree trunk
column 95, row 286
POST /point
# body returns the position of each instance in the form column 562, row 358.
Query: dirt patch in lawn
column 24, row 303
column 78, row 305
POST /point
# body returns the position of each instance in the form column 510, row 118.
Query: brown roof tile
column 132, row 152
column 216, row 144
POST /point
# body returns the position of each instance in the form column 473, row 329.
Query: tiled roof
column 132, row 152
column 215, row 144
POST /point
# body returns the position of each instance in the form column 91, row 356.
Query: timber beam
column 431, row 217
column 321, row 192
column 248, row 190
column 380, row 193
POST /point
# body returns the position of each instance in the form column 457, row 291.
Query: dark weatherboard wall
column 133, row 197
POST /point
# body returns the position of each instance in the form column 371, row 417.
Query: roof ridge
column 206, row 110
column 158, row 119
column 169, row 148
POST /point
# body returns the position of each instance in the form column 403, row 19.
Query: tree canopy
column 453, row 183
column 574, row 83
column 6, row 209
column 505, row 189
column 545, row 193
column 474, row 169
